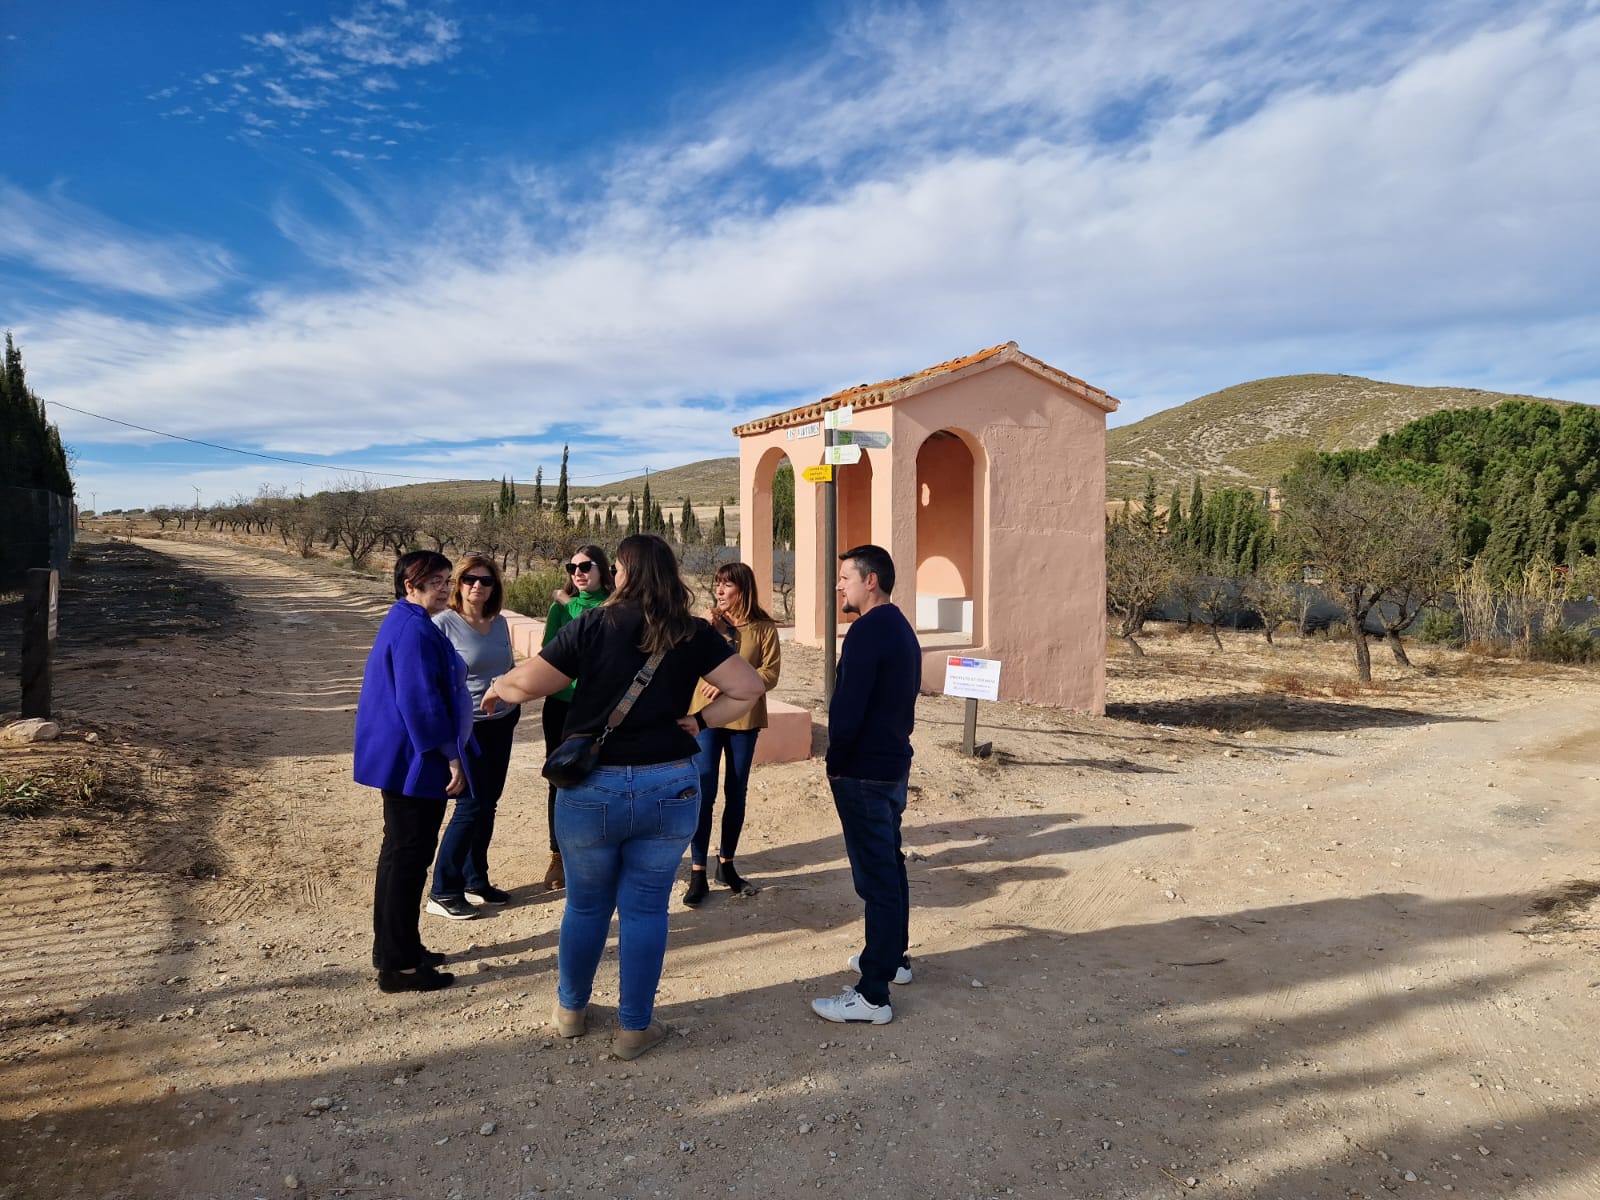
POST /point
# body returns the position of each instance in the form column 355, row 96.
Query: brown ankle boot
column 570, row 1023
column 554, row 877
column 629, row 1044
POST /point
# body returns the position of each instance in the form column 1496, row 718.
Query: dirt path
column 1299, row 959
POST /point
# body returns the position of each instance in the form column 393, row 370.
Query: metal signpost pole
column 830, row 559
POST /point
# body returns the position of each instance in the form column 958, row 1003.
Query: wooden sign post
column 38, row 640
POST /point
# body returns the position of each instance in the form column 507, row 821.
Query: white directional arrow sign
column 841, row 455
column 869, row 439
column 839, row 418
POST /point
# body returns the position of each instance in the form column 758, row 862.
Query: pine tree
column 31, row 453
column 1194, row 523
column 561, row 488
column 1147, row 506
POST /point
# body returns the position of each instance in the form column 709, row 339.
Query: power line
column 294, row 462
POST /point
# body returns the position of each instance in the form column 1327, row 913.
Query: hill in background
column 1245, row 435
column 707, row 483
column 1251, row 433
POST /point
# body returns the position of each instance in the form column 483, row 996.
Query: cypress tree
column 538, row 488
column 561, row 487
column 719, row 529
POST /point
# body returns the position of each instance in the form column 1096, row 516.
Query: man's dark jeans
column 870, row 812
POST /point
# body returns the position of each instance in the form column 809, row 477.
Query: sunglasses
column 585, row 567
column 480, row 580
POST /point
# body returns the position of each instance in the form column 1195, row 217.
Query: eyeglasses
column 479, row 580
column 585, row 567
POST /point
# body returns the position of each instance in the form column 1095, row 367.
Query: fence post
column 38, row 639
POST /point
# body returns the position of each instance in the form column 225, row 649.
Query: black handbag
column 571, row 762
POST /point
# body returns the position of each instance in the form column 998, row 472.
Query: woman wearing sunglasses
column 474, row 626
column 588, row 585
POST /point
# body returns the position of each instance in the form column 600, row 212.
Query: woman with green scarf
column 590, row 573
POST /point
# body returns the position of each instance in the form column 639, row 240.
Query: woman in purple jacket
column 413, row 721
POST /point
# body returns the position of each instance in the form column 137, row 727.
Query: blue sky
column 441, row 238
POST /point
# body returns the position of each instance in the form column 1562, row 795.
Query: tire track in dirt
column 286, row 690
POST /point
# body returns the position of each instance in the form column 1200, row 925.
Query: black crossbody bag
column 571, row 762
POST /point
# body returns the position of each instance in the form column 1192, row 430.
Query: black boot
column 697, row 889
column 727, row 876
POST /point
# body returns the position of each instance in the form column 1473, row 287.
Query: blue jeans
column 463, row 862
column 740, row 746
column 869, row 813
column 622, row 833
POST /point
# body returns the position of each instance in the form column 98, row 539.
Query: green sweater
column 564, row 614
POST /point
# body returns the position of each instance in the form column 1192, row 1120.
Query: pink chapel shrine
column 991, row 499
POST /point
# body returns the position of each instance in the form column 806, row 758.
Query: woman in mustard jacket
column 753, row 636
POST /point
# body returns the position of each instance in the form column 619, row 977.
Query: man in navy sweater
column 869, row 761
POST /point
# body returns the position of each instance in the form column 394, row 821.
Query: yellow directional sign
column 822, row 474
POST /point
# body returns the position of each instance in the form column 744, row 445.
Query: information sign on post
column 841, row 455
column 867, row 439
column 974, row 679
column 818, row 474
column 839, row 418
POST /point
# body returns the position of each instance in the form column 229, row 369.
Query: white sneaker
column 902, row 973
column 850, row 1005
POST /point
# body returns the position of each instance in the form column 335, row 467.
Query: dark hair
column 416, row 566
column 474, row 559
column 595, row 554
column 743, row 578
column 872, row 560
column 655, row 587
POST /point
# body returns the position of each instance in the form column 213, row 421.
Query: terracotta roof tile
column 887, row 391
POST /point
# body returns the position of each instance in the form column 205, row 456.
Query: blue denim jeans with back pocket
column 739, row 745
column 622, row 831
column 869, row 813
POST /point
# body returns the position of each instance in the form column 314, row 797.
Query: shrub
column 1565, row 644
column 529, row 593
column 1441, row 627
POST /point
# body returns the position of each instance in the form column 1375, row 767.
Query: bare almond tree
column 1139, row 571
column 1362, row 535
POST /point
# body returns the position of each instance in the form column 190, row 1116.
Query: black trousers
column 554, row 719
column 410, row 836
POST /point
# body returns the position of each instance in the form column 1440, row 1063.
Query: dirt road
column 1226, row 942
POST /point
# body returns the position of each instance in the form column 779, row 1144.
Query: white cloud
column 57, row 236
column 338, row 63
column 1161, row 199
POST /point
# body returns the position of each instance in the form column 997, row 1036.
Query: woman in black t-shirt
column 623, row 830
